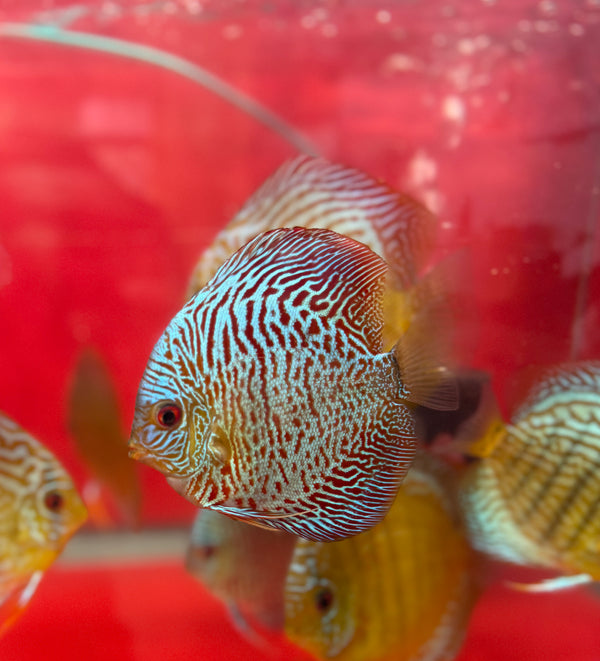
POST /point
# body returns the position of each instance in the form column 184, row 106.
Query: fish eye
column 324, row 599
column 168, row 415
column 54, row 501
column 208, row 552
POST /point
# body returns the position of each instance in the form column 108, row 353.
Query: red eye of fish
column 54, row 501
column 324, row 600
column 168, row 415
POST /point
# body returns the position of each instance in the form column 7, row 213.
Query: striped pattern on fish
column 401, row 591
column 287, row 414
column 313, row 193
column 536, row 498
column 39, row 511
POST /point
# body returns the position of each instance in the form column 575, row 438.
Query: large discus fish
column 533, row 498
column 245, row 566
column 39, row 511
column 268, row 397
column 314, row 193
column 401, row 591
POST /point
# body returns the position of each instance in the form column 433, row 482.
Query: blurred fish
column 403, row 590
column 314, row 193
column 95, row 424
column 39, row 511
column 533, row 498
column 268, row 398
column 243, row 565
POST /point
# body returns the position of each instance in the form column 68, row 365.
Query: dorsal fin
column 314, row 193
column 565, row 379
column 297, row 271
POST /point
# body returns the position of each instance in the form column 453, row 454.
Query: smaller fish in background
column 402, row 591
column 244, row 566
column 316, row 194
column 533, row 496
column 40, row 510
column 94, row 422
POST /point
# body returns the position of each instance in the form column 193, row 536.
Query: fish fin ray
column 552, row 584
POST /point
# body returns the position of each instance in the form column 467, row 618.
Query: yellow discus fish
column 533, row 498
column 401, row 591
column 39, row 511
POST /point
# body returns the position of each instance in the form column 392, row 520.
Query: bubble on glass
column 453, row 109
column 192, row 6
column 232, row 31
column 547, row 7
column 308, row 22
column 576, row 29
column 383, row 16
column 422, row 168
column 398, row 62
column 466, row 46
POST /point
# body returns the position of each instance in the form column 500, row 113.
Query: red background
column 115, row 175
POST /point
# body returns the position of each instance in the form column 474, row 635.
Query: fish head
column 48, row 512
column 175, row 426
column 211, row 554
column 321, row 609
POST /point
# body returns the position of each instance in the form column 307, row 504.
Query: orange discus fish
column 40, row 510
column 401, row 591
column 245, row 566
column 95, row 425
column 533, row 498
column 268, row 397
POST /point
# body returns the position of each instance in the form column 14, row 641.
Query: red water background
column 115, row 175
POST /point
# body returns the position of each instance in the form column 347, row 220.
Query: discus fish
column 314, row 193
column 401, row 591
column 95, row 425
column 533, row 498
column 243, row 565
column 40, row 510
column 268, row 398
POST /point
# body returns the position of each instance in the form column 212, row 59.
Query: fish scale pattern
column 314, row 193
column 279, row 365
column 39, row 510
column 536, row 498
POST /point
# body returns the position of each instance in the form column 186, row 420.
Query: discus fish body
column 39, row 511
column 268, row 397
column 533, row 497
column 243, row 565
column 316, row 194
column 401, row 591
